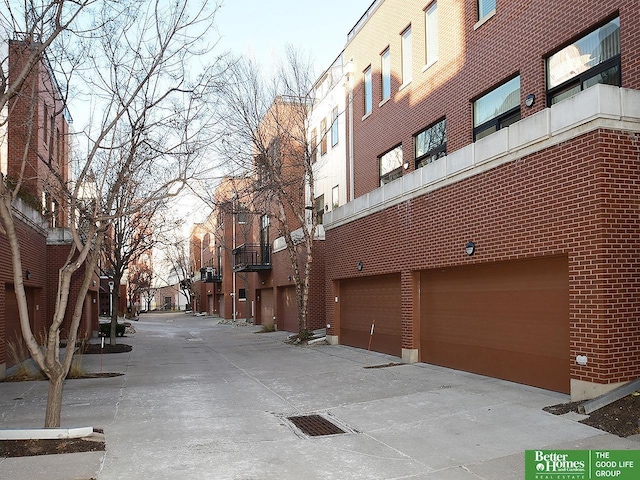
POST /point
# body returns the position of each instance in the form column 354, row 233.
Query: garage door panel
column 289, row 310
column 509, row 320
column 372, row 299
column 266, row 305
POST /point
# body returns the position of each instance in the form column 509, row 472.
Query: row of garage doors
column 508, row 320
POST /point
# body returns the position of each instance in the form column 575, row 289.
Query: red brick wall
column 26, row 128
column 32, row 245
column 578, row 198
column 56, row 257
column 471, row 62
column 281, row 275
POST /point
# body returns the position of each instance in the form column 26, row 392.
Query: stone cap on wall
column 600, row 106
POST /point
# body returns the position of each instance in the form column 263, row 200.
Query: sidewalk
column 201, row 400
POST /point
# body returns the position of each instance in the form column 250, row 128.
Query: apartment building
column 35, row 136
column 494, row 151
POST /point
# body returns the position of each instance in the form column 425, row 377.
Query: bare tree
column 149, row 119
column 178, row 261
column 265, row 125
column 140, row 282
column 128, row 238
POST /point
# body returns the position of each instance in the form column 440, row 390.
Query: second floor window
column 486, row 8
column 385, row 69
column 431, row 34
column 368, row 90
column 407, row 65
column 390, row 165
column 431, row 143
column 497, row 109
column 334, row 127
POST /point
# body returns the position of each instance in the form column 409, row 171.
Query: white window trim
column 484, row 19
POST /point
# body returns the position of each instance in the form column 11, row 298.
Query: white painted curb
column 44, row 433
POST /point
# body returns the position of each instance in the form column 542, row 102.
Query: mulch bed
column 620, row 418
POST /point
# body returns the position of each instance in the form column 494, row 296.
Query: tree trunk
column 54, row 399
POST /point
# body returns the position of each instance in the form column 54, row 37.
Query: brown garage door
column 288, row 310
column 363, row 300
column 266, row 306
column 507, row 320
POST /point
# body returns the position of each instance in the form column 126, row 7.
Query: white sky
column 262, row 29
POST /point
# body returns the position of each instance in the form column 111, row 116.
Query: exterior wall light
column 470, row 248
column 27, row 274
column 529, row 100
column 360, row 266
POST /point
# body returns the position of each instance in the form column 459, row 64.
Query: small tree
column 265, row 125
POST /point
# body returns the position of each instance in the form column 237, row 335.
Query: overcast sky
column 262, row 28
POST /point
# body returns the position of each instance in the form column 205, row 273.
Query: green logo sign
column 582, row 464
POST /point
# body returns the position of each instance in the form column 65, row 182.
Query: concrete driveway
column 201, row 400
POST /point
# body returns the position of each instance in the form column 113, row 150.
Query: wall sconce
column 289, row 278
column 27, row 274
column 470, row 248
column 94, row 283
column 360, row 266
column 529, row 100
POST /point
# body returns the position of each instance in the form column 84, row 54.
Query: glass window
column 323, row 140
column 485, row 7
column 385, row 68
column 497, row 109
column 431, row 143
column 319, row 209
column 431, row 34
column 594, row 58
column 407, row 70
column 334, row 127
column 242, row 294
column 335, row 197
column 391, row 165
column 368, row 103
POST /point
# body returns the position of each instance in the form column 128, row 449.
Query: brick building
column 494, row 177
column 37, row 132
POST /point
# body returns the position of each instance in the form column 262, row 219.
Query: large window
column 391, row 165
column 368, row 90
column 497, row 109
column 385, row 69
column 485, row 8
column 431, row 33
column 335, row 133
column 407, row 64
column 431, row 143
column 595, row 58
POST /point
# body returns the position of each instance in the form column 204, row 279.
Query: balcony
column 210, row 275
column 251, row 258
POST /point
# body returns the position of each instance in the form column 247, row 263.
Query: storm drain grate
column 315, row 425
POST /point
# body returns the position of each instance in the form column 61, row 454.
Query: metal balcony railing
column 210, row 275
column 251, row 258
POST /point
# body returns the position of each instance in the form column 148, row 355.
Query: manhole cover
column 315, row 425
